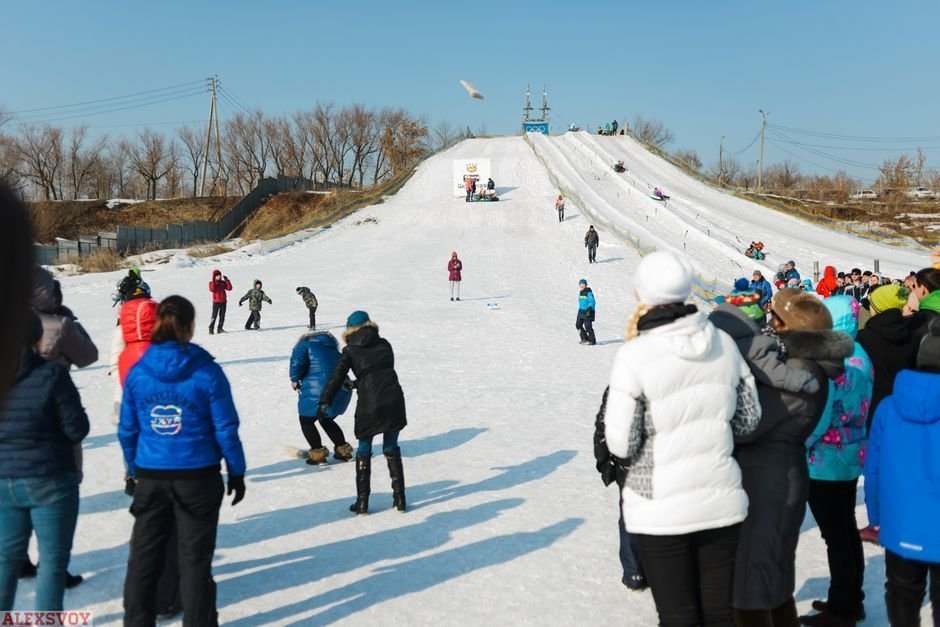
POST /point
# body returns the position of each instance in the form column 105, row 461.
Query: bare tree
column 444, row 135
column 364, row 139
column 689, row 158
column 246, row 148
column 40, row 151
column 897, row 174
column 276, row 131
column 152, row 157
column 83, row 160
column 652, row 132
column 9, row 162
column 193, row 152
column 782, row 176
column 403, row 141
column 726, row 171
column 920, row 162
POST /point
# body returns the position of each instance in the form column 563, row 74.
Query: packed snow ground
column 507, row 517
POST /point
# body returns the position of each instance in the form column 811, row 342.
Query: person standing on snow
column 254, row 296
column 560, row 208
column 901, row 477
column 311, row 363
column 468, row 185
column 790, row 272
column 591, row 240
column 682, row 498
column 835, row 452
column 454, row 267
column 218, row 286
column 827, row 285
column 311, row 302
column 586, row 306
column 178, row 422
column 380, row 408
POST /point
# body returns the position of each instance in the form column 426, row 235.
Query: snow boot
column 211, row 330
column 220, row 330
column 343, row 452
column 398, row 479
column 363, row 476
column 317, row 456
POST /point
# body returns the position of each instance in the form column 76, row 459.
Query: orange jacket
column 828, row 284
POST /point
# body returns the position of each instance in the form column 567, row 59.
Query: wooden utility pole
column 760, row 167
column 213, row 117
column 721, row 165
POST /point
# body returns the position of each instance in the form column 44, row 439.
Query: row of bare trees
column 350, row 146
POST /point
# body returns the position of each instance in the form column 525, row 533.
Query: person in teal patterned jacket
column 835, row 454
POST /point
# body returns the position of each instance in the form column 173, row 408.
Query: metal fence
column 129, row 239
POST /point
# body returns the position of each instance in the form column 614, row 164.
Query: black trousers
column 313, row 317
column 906, row 582
column 308, row 425
column 833, row 507
column 218, row 309
column 691, row 575
column 193, row 504
column 254, row 320
column 561, row 214
column 592, row 252
column 586, row 327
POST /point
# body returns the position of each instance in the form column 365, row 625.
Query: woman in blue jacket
column 901, row 479
column 178, row 421
column 311, row 364
column 41, row 422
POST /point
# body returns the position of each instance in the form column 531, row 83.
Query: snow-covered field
column 508, row 519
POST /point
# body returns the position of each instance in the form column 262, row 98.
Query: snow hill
column 508, row 517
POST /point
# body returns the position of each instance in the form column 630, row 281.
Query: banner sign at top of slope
column 535, row 127
column 476, row 169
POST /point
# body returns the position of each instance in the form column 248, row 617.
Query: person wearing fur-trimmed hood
column 311, row 363
column 679, row 391
column 773, row 461
column 380, row 408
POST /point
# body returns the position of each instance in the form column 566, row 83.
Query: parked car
column 863, row 194
column 920, row 193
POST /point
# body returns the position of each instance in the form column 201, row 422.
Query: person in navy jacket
column 311, row 363
column 901, row 479
column 178, row 421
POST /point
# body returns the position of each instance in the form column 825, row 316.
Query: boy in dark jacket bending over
column 311, row 302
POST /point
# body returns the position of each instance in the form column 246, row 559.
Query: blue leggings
column 389, row 445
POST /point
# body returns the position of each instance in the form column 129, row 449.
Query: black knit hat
column 928, row 356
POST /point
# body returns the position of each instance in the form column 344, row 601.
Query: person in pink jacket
column 454, row 266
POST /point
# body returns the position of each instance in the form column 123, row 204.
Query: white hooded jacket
column 671, row 413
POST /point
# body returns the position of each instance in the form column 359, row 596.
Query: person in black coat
column 40, row 424
column 889, row 340
column 380, row 408
column 773, row 462
column 613, row 470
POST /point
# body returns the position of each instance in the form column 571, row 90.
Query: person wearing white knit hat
column 679, row 392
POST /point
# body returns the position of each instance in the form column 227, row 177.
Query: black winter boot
column 363, row 476
column 398, row 479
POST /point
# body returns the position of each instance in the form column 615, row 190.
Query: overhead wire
column 228, row 93
column 113, row 110
column 857, row 138
column 753, row 141
column 100, row 100
column 836, row 159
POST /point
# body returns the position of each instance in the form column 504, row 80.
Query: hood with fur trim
column 829, row 349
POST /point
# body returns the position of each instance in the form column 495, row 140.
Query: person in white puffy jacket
column 679, row 392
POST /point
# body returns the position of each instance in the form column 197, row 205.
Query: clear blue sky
column 859, row 68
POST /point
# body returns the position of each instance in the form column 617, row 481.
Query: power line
column 844, row 161
column 87, row 102
column 753, row 141
column 232, row 96
column 800, row 157
column 114, row 110
column 800, row 131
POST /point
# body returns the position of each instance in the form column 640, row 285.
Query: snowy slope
column 507, row 515
column 711, row 225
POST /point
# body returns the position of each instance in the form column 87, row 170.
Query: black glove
column 589, row 313
column 322, row 410
column 236, row 484
column 349, row 384
column 240, row 303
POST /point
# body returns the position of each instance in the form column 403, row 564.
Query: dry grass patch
column 209, row 250
column 103, row 260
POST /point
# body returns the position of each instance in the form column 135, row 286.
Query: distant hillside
column 70, row 218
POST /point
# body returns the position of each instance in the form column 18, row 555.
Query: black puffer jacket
column 42, row 420
column 775, row 475
column 380, row 407
column 612, row 469
column 889, row 340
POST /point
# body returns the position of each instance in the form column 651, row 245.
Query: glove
column 236, row 484
column 295, row 385
column 240, row 303
column 322, row 410
column 349, row 384
column 588, row 313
